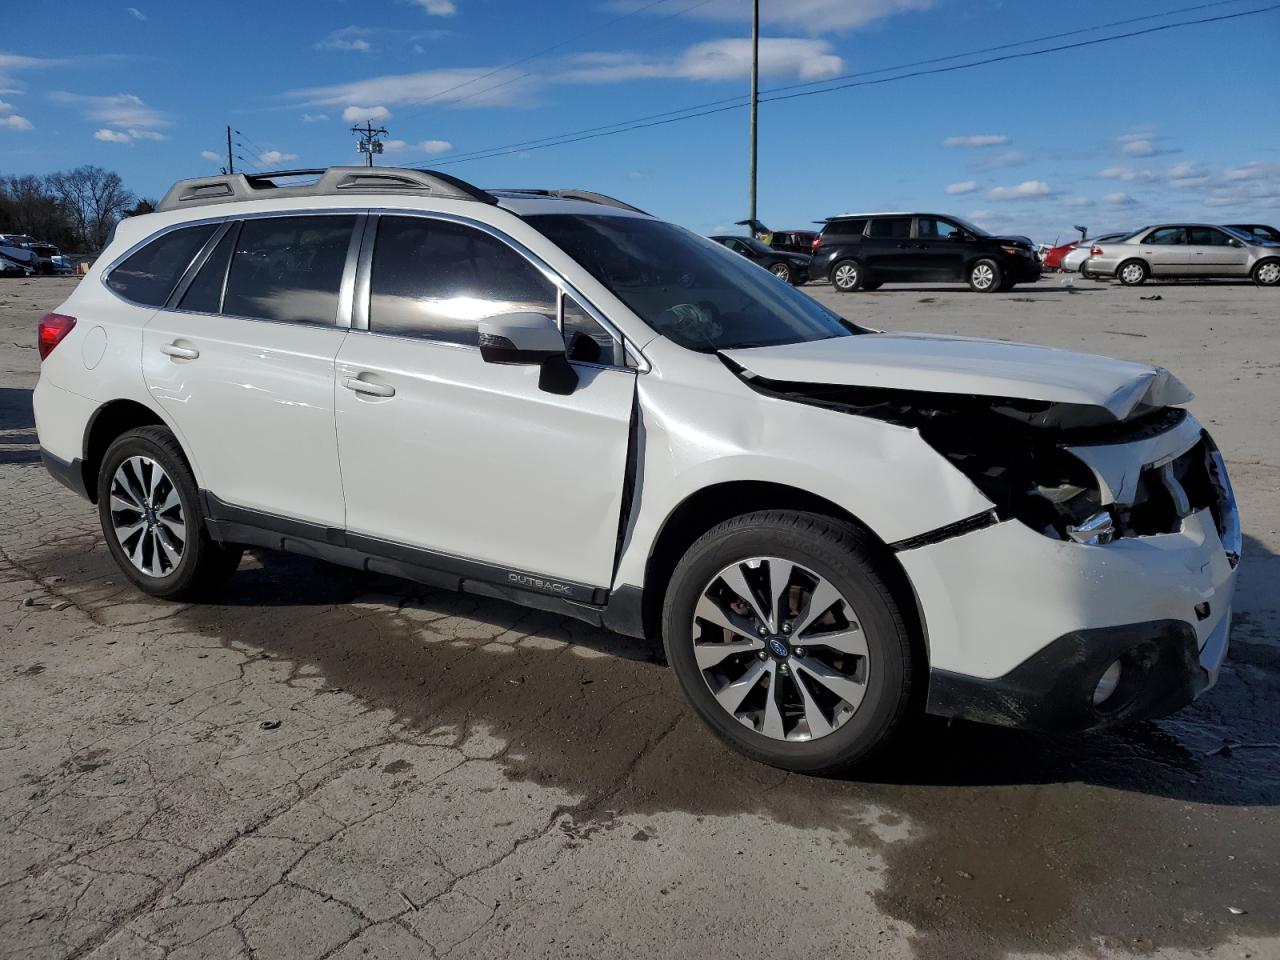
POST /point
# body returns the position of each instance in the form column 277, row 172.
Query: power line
column 780, row 93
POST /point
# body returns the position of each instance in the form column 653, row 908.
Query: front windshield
column 687, row 288
column 969, row 227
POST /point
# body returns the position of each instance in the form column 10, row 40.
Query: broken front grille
column 1169, row 492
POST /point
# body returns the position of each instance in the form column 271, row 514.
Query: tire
column 1006, row 285
column 782, row 271
column 862, row 614
column 153, row 523
column 985, row 276
column 872, row 284
column 1266, row 273
column 1133, row 273
column 846, row 276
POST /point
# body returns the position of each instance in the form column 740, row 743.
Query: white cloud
column 113, row 136
column 1125, row 174
column 15, row 122
column 1002, row 160
column 1026, row 190
column 728, row 59
column 438, row 8
column 361, row 114
column 812, row 16
column 348, row 38
column 314, row 117
column 964, row 186
column 211, row 156
column 1119, row 200
column 976, row 140
column 1258, row 170
column 275, row 156
column 1143, row 143
column 1180, row 170
column 136, row 13
column 435, row 146
column 1139, row 148
column 124, row 110
column 429, row 147
column 1075, row 200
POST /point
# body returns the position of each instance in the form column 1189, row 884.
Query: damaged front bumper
column 1026, row 630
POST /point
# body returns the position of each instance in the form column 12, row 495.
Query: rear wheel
column 151, row 518
column 985, row 276
column 781, row 271
column 846, row 276
column 788, row 642
column 1133, row 273
column 1267, row 273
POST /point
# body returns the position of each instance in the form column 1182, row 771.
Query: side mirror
column 1236, row 243
column 529, row 338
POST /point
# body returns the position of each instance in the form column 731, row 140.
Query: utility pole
column 755, row 106
column 369, row 143
column 231, row 163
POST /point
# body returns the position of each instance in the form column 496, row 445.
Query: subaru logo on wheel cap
column 778, row 648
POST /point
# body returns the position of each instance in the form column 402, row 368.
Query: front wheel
column 1133, row 273
column 781, row 271
column 985, row 276
column 788, row 642
column 872, row 284
column 151, row 518
column 846, row 276
column 1267, row 273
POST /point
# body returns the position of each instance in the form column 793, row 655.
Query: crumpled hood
column 962, row 365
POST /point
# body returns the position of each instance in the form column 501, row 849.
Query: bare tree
column 95, row 200
column 27, row 205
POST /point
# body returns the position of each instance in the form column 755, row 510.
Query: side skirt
column 228, row 523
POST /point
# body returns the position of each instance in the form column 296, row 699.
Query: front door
column 467, row 461
column 244, row 363
column 940, row 249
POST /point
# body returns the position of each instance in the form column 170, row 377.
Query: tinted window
column 595, row 345
column 935, row 229
column 894, row 228
column 1207, row 237
column 435, row 279
column 205, row 293
column 1167, row 236
column 687, row 288
column 845, row 228
column 288, row 269
column 149, row 275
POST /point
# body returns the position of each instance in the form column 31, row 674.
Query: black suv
column 792, row 267
column 863, row 251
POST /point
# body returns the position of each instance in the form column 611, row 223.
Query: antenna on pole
column 755, row 107
column 369, row 144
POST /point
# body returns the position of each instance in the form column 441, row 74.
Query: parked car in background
column 862, row 251
column 1072, row 262
column 795, row 241
column 1257, row 230
column 1184, row 250
column 1053, row 257
column 831, row 528
column 13, row 268
column 792, row 267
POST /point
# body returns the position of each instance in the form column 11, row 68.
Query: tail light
column 1095, row 251
column 54, row 328
column 817, row 242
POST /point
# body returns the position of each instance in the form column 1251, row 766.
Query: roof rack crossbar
column 588, row 196
column 330, row 181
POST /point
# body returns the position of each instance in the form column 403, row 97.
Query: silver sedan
column 1185, row 250
column 1072, row 261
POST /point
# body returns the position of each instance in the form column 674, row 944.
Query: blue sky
column 1181, row 123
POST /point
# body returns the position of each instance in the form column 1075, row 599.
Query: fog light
column 1107, row 685
column 1097, row 530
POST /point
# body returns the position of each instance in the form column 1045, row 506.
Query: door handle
column 369, row 387
column 179, row 352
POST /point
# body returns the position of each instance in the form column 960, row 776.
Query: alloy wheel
column 780, row 270
column 780, row 649
column 147, row 517
column 983, row 276
column 846, row 276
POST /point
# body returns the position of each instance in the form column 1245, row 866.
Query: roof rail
column 331, row 181
column 585, row 195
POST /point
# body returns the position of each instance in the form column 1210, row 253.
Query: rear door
column 1165, row 249
column 242, row 360
column 468, row 464
column 889, row 251
column 1211, row 253
column 940, row 249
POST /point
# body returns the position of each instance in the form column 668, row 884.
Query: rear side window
column 288, row 269
column 1167, row 236
column 845, row 228
column 894, row 228
column 149, row 275
column 205, row 293
column 435, row 280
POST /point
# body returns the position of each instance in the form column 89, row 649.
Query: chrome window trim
column 172, row 228
column 557, row 280
column 194, row 267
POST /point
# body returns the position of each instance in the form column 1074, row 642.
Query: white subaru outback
column 553, row 398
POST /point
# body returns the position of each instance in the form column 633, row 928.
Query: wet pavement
column 325, row 763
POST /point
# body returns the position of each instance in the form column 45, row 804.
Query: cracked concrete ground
column 327, row 764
